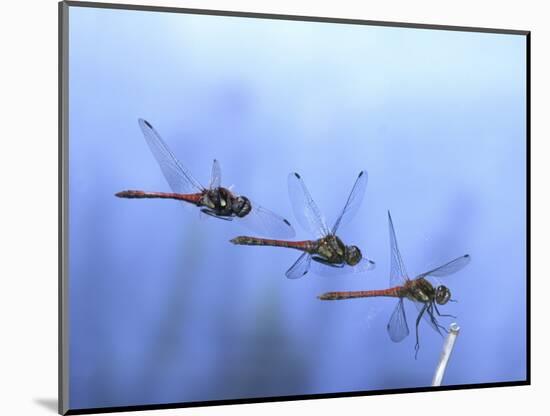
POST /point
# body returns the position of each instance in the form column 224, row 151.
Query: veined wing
column 325, row 270
column 448, row 268
column 305, row 209
column 267, row 223
column 397, row 325
column 216, row 178
column 180, row 179
column 398, row 274
column 353, row 202
column 300, row 267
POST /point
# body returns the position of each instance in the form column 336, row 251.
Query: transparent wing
column 398, row 274
column 397, row 325
column 354, row 201
column 267, row 223
column 305, row 210
column 300, row 267
column 321, row 269
column 179, row 179
column 216, row 178
column 448, row 268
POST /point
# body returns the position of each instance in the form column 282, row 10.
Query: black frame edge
column 294, row 398
column 528, row 200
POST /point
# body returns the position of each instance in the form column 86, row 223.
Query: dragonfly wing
column 449, row 268
column 353, row 202
column 323, row 269
column 180, row 180
column 398, row 274
column 216, row 178
column 397, row 326
column 300, row 267
column 267, row 223
column 305, row 210
column 364, row 265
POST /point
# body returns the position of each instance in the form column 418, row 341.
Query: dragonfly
column 327, row 253
column 419, row 290
column 215, row 201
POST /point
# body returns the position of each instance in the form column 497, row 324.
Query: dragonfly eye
column 241, row 206
column 442, row 295
column 353, row 255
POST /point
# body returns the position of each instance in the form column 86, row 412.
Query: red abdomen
column 191, row 198
column 394, row 292
column 305, row 245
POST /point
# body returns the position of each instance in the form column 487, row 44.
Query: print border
column 63, row 204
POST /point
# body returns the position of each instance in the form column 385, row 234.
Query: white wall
column 28, row 210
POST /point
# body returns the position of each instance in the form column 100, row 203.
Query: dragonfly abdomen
column 307, row 245
column 394, row 292
column 192, row 198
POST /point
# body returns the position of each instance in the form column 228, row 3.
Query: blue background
column 163, row 309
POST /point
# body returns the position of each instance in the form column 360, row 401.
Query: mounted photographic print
column 265, row 208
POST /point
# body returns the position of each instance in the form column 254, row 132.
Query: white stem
column 454, row 329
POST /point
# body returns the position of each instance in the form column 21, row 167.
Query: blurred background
column 163, row 309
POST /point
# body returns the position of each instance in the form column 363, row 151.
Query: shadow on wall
column 49, row 404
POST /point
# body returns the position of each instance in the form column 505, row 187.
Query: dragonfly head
column 353, row 255
column 442, row 295
column 241, row 206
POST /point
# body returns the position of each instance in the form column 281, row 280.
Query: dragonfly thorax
column 420, row 290
column 224, row 203
column 334, row 251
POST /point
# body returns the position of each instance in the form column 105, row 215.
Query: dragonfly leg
column 434, row 321
column 417, row 345
column 327, row 263
column 213, row 214
column 443, row 314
